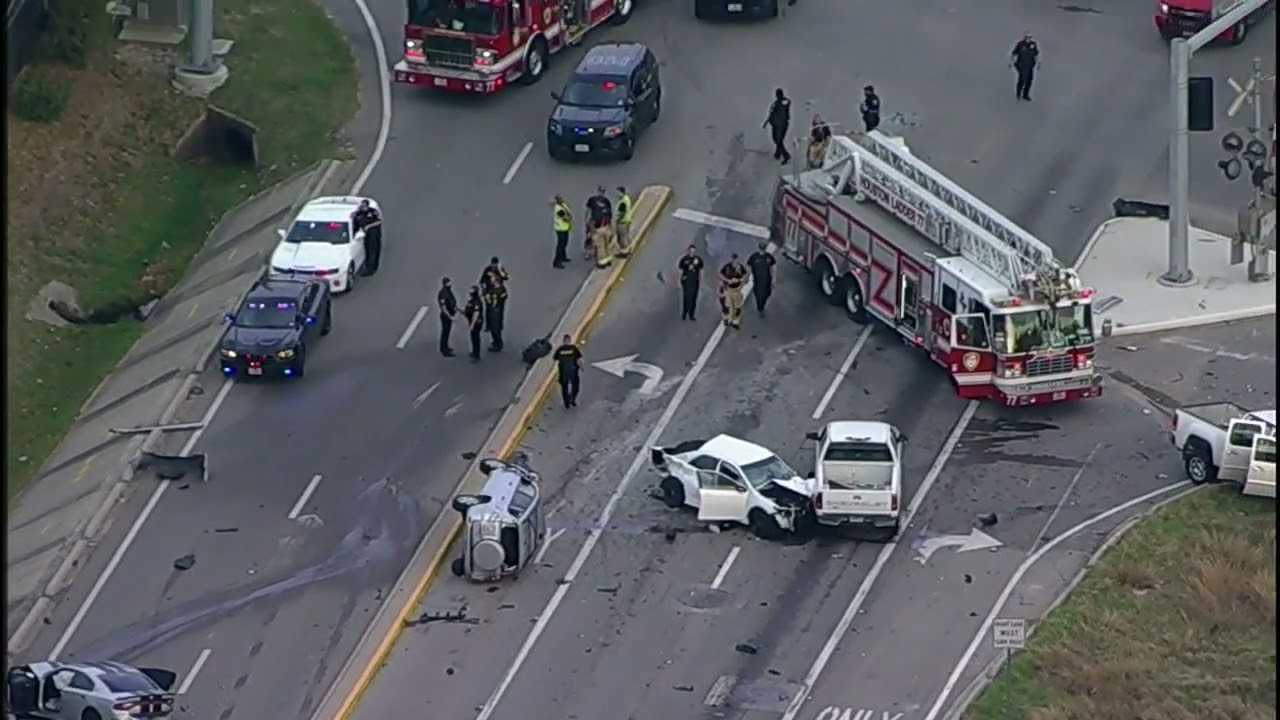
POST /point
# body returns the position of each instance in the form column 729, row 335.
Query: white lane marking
column 593, row 538
column 739, row 226
column 196, row 667
column 384, row 93
column 515, row 164
column 725, row 566
column 1071, row 486
column 1031, row 560
column 840, row 376
column 422, row 397
column 304, row 497
column 134, row 529
column 542, row 551
column 860, row 597
column 413, row 327
column 1190, row 344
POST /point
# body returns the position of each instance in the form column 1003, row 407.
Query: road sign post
column 1008, row 634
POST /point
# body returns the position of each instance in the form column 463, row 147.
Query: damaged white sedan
column 732, row 480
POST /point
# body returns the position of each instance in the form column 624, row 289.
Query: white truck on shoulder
column 1223, row 441
column 858, row 476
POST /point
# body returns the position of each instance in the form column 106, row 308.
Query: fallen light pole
column 1181, row 49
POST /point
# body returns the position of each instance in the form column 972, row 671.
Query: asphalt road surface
column 274, row 603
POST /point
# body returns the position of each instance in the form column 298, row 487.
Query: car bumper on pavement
column 880, row 522
column 259, row 366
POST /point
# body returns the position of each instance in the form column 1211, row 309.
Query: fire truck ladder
column 998, row 238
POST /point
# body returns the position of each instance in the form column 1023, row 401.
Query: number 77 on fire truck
column 887, row 235
column 481, row 46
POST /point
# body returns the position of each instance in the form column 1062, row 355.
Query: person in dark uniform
column 778, row 120
column 474, row 313
column 493, row 288
column 448, row 305
column 763, row 266
column 733, row 275
column 366, row 218
column 690, row 267
column 599, row 215
column 870, row 108
column 1025, row 59
column 568, row 366
column 562, row 224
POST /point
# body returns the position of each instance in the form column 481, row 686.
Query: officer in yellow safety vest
column 562, row 223
column 622, row 229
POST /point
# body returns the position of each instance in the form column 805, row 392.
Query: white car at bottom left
column 323, row 242
column 88, row 691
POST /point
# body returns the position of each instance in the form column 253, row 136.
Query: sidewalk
column 1126, row 256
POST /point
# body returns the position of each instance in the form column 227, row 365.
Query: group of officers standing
column 607, row 235
column 486, row 309
column 760, row 270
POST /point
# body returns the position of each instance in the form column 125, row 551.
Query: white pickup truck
column 858, row 476
column 1223, row 441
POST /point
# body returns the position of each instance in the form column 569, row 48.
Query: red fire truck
column 480, row 46
column 887, row 235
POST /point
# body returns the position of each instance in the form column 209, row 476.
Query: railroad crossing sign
column 1009, row 634
column 1247, row 93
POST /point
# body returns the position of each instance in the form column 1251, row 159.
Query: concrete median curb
column 1195, row 321
column 992, row 669
column 375, row 645
column 63, row 571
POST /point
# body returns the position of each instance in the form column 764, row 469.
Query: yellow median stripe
column 661, row 195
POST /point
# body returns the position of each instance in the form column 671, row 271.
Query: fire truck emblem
column 546, row 16
column 970, row 361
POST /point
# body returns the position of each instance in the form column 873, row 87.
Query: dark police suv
column 270, row 332
column 706, row 9
column 613, row 95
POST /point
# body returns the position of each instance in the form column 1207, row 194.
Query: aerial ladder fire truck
column 889, row 237
column 481, row 46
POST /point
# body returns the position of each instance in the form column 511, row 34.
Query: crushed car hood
column 807, row 487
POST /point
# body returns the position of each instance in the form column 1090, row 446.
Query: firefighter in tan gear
column 599, row 240
column 819, row 139
column 733, row 276
column 622, row 225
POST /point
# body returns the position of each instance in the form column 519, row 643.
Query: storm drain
column 732, row 692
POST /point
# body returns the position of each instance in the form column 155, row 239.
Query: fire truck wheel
column 622, row 11
column 828, row 282
column 853, row 302
column 535, row 61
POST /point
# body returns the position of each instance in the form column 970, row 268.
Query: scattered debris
column 1129, row 348
column 468, row 455
column 774, row 672
column 507, row 606
column 988, row 519
column 609, row 590
column 1162, row 476
column 448, row 671
column 968, row 578
column 669, row 536
column 186, row 562
column 746, row 648
column 184, row 486
column 226, row 530
column 683, row 688
column 173, row 427
column 562, row 581
column 491, row 589
column 713, row 528
column 458, row 616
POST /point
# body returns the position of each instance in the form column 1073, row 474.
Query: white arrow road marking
column 619, row 367
column 417, row 402
column 975, row 540
column 542, row 551
column 304, row 497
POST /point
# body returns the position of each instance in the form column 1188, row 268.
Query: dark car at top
column 614, row 94
column 726, row 9
column 270, row 333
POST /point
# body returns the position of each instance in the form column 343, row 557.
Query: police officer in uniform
column 1026, row 56
column 600, row 227
column 562, row 224
column 568, row 366
column 733, row 275
column 366, row 218
column 870, row 108
column 493, row 287
column 622, row 227
column 778, row 120
column 690, row 267
column 448, row 305
column 763, row 266
column 474, row 313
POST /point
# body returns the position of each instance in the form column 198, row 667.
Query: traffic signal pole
column 1181, row 50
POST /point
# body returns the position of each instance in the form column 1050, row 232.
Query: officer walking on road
column 733, row 275
column 562, row 224
column 690, row 267
column 474, row 313
column 1025, row 59
column 493, row 286
column 568, row 368
column 367, row 218
column 870, row 108
column 448, row 305
column 622, row 227
column 763, row 267
column 778, row 120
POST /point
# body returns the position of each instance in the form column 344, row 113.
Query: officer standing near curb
column 366, row 218
column 622, row 226
column 870, row 108
column 493, row 286
column 600, row 230
column 448, row 305
column 763, row 266
column 568, row 370
column 732, row 277
column 690, row 268
column 778, row 120
column 1026, row 56
column 562, row 224
column 474, row 313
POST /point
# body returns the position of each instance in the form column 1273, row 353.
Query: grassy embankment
column 96, row 200
column 1177, row 622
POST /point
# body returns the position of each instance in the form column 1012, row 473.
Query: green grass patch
column 122, row 218
column 1177, row 622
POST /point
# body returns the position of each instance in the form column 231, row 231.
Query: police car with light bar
column 323, row 242
column 707, row 9
column 270, row 332
column 612, row 97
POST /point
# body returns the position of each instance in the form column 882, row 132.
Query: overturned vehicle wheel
column 458, row 567
column 463, row 503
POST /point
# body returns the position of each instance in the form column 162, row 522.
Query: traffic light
column 1200, row 110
